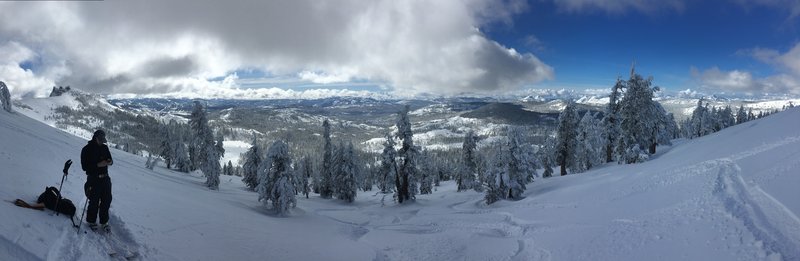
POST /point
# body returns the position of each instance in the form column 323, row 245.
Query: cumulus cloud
column 12, row 54
column 787, row 78
column 743, row 82
column 171, row 46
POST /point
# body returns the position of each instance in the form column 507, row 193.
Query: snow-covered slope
column 731, row 195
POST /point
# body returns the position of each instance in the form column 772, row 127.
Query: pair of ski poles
column 68, row 164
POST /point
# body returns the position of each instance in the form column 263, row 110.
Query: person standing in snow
column 95, row 159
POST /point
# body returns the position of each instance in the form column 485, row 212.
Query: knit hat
column 100, row 135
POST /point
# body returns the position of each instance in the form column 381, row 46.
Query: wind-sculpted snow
column 731, row 195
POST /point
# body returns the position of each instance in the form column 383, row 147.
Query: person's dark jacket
column 94, row 153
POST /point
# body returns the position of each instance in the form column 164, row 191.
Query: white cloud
column 786, row 80
column 764, row 55
column 167, row 46
column 737, row 81
column 20, row 81
column 791, row 59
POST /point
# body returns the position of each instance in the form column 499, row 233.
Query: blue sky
column 254, row 48
column 592, row 48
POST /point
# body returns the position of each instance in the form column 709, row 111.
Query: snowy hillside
column 731, row 195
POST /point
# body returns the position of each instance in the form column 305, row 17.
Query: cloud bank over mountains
column 151, row 47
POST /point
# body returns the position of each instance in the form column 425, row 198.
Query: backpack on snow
column 50, row 197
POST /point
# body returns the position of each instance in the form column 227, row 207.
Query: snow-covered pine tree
column 666, row 127
column 465, row 176
column 218, row 145
column 344, row 181
column 639, row 120
column 611, row 120
column 700, row 123
column 545, row 155
column 199, row 129
column 210, row 167
column 406, row 183
column 589, row 151
column 166, row 148
column 497, row 176
column 741, row 115
column 206, row 154
column 252, row 161
column 305, row 170
column 388, row 168
column 326, row 175
column 425, row 173
column 229, row 168
column 182, row 162
column 149, row 160
column 276, row 185
column 566, row 138
column 521, row 164
column 727, row 118
column 5, row 97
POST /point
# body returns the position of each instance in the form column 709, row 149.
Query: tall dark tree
column 611, row 119
column 566, row 139
column 388, row 168
column 405, row 182
column 466, row 175
column 252, row 161
column 326, row 174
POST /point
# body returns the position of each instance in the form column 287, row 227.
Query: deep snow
column 731, row 195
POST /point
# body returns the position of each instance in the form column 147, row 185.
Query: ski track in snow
column 776, row 229
column 74, row 246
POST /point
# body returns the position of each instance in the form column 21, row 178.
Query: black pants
column 98, row 190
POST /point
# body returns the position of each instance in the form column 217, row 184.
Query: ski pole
column 67, row 164
column 80, row 222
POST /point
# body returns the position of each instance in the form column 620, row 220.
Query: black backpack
column 50, row 197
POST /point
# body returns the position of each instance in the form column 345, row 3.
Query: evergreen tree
column 252, row 161
column 206, row 155
column 426, row 173
column 611, row 120
column 344, row 181
column 211, row 167
column 305, row 170
column 219, row 144
column 521, row 164
column 388, row 169
column 641, row 120
column 701, row 122
column 465, row 178
column 741, row 115
column 167, row 147
column 405, row 182
column 566, row 139
column 497, row 177
column 589, row 144
column 545, row 155
column 276, row 185
column 182, row 162
column 229, row 168
column 326, row 176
